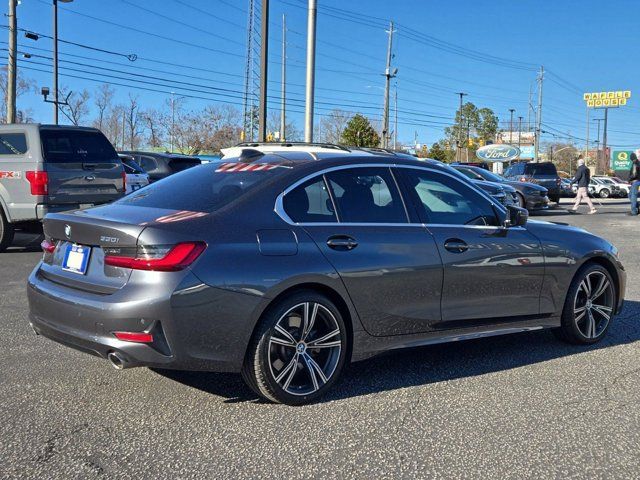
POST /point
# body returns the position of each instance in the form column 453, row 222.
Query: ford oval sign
column 498, row 153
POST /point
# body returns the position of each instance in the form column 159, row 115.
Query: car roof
column 158, row 154
column 45, row 126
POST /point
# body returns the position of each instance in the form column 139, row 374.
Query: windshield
column 469, row 173
column 488, row 176
column 205, row 188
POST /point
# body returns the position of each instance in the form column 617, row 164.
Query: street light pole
column 283, row 100
column 264, row 52
column 511, row 110
column 311, row 71
column 519, row 133
column 459, row 149
column 388, row 76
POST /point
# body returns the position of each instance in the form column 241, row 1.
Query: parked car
column 46, row 168
column 540, row 173
column 618, row 187
column 566, row 189
column 528, row 195
column 286, row 266
column 161, row 165
column 136, row 177
column 601, row 189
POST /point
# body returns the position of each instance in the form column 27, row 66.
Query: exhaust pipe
column 118, row 361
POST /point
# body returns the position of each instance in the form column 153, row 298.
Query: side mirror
column 516, row 217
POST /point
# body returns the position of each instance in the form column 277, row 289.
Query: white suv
column 615, row 184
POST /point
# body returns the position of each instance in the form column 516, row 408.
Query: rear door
column 82, row 166
column 390, row 267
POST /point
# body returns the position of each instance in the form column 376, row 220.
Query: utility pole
column 283, row 107
column 311, row 71
column 598, row 140
column 511, row 110
column 604, row 138
column 173, row 120
column 395, row 119
column 12, row 68
column 536, row 154
column 459, row 149
column 388, row 76
column 264, row 53
column 55, row 62
column 466, row 143
column 586, row 147
column 124, row 127
column 529, row 109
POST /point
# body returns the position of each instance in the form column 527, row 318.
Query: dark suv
column 161, row 165
column 543, row 173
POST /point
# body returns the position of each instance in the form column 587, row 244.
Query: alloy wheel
column 304, row 348
column 593, row 304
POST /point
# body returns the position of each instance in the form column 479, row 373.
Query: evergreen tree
column 360, row 133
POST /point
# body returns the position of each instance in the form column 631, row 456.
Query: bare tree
column 292, row 133
column 332, row 126
column 114, row 126
column 133, row 122
column 23, row 85
column 154, row 121
column 77, row 107
column 104, row 103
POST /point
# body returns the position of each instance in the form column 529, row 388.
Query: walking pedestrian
column 582, row 178
column 634, row 180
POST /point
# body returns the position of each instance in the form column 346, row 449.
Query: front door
column 489, row 271
column 390, row 267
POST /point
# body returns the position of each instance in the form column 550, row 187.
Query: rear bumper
column 191, row 326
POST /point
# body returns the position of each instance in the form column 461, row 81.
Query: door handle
column 455, row 245
column 342, row 242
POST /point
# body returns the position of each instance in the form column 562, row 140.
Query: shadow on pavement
column 25, row 243
column 433, row 364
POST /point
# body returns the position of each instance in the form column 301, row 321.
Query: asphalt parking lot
column 520, row 406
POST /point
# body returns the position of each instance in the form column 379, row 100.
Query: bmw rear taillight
column 39, row 182
column 160, row 258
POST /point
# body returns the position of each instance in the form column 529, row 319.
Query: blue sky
column 584, row 45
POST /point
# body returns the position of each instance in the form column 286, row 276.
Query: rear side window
column 13, row 144
column 546, row 168
column 206, row 188
column 367, row 195
column 310, row 203
column 131, row 167
column 148, row 163
column 63, row 146
column 180, row 164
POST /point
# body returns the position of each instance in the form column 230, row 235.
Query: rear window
column 546, row 168
column 64, row 146
column 180, row 164
column 13, row 144
column 206, row 188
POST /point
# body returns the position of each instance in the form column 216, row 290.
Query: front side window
column 366, row 195
column 13, row 144
column 441, row 199
column 310, row 203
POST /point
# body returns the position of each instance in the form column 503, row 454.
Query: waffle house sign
column 613, row 99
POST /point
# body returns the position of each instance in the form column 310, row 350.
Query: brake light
column 137, row 337
column 159, row 258
column 124, row 181
column 39, row 182
column 47, row 246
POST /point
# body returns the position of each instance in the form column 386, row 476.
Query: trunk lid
column 98, row 229
column 82, row 166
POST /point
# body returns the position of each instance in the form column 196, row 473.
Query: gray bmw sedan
column 284, row 266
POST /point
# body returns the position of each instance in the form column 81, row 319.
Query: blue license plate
column 76, row 259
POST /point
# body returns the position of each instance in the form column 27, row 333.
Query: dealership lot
column 516, row 406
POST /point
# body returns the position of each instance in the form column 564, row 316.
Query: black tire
column 274, row 354
column 604, row 193
column 574, row 326
column 6, row 232
column 554, row 198
column 522, row 203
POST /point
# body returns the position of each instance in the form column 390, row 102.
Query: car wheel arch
column 346, row 309
column 607, row 264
